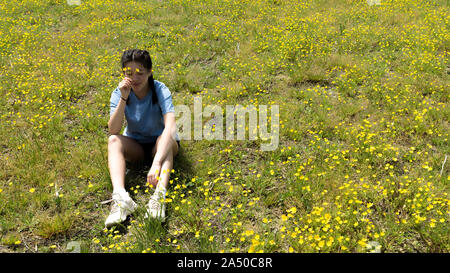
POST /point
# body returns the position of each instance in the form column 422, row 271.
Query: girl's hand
column 153, row 174
column 125, row 87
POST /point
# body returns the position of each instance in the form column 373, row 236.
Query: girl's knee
column 113, row 139
column 114, row 142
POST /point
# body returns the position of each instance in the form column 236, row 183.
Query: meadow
column 362, row 90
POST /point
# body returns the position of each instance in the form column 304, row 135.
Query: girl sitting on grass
column 150, row 133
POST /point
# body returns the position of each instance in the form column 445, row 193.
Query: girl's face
column 137, row 73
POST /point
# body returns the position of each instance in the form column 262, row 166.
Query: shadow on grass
column 137, row 172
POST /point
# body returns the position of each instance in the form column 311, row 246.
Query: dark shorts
column 148, row 147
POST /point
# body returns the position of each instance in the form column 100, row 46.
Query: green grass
column 363, row 125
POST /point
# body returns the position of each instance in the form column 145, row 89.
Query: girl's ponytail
column 151, row 82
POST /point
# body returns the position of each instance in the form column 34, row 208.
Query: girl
column 150, row 133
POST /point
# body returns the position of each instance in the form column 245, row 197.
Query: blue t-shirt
column 145, row 121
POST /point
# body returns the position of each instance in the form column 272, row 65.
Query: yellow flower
column 321, row 244
column 330, row 241
column 249, row 232
column 362, row 242
column 32, row 190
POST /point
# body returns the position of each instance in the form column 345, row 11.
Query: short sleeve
column 114, row 101
column 165, row 99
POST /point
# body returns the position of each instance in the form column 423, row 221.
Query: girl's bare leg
column 121, row 149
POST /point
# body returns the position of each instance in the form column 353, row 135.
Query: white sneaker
column 122, row 206
column 156, row 206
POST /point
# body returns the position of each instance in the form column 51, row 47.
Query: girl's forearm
column 116, row 121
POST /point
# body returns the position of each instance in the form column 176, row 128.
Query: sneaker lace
column 115, row 207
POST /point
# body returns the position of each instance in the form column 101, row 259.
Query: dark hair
column 142, row 57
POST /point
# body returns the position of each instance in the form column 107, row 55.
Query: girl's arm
column 116, row 121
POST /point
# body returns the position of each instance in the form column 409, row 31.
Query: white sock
column 120, row 191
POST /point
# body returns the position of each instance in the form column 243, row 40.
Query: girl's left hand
column 153, row 174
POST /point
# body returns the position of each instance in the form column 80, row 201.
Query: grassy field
column 363, row 95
